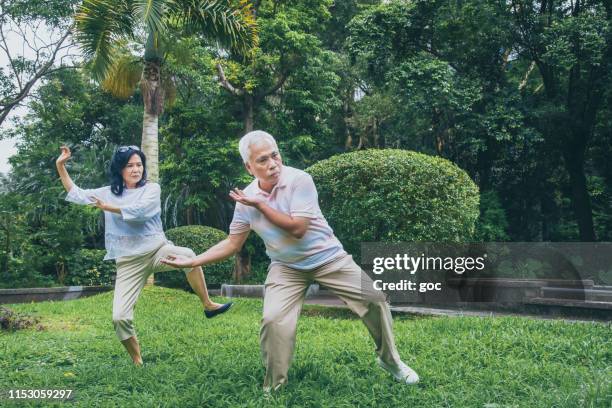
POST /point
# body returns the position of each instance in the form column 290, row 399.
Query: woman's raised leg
column 196, row 280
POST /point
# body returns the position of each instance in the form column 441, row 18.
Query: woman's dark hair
column 118, row 162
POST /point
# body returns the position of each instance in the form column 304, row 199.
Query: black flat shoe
column 212, row 313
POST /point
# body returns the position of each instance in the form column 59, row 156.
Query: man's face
column 265, row 163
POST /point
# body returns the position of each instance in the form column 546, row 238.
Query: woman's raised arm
column 60, row 163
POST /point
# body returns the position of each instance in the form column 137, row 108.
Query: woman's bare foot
column 133, row 348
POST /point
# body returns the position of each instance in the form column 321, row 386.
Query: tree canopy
column 517, row 94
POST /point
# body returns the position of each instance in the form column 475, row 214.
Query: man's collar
column 282, row 182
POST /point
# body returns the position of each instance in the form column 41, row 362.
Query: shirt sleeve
column 241, row 221
column 147, row 206
column 82, row 196
column 304, row 198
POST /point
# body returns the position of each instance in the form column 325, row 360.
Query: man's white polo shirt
column 295, row 194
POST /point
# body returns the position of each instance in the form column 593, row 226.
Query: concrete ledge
column 575, row 308
column 582, row 304
column 499, row 290
column 26, row 295
column 522, row 283
column 599, row 295
column 254, row 291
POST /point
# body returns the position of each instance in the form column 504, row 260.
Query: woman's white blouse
column 138, row 229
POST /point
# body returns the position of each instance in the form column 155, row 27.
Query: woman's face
column 132, row 172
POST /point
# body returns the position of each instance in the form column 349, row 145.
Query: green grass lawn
column 192, row 361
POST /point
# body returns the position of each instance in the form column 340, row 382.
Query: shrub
column 199, row 238
column 395, row 196
column 10, row 320
column 87, row 267
column 20, row 274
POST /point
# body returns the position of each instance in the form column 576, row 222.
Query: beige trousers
column 285, row 289
column 132, row 274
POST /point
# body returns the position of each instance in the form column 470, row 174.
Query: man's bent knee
column 271, row 319
column 275, row 320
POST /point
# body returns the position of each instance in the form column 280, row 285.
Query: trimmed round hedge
column 199, row 238
column 87, row 267
column 390, row 195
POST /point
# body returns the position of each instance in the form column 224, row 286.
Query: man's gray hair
column 251, row 138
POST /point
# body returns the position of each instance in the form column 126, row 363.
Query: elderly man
column 281, row 206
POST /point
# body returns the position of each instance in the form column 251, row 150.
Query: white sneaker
column 401, row 372
column 270, row 390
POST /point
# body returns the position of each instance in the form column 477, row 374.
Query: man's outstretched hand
column 239, row 196
column 177, row 261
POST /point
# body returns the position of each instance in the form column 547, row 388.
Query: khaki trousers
column 132, row 274
column 285, row 289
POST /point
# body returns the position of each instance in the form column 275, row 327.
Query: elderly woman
column 134, row 237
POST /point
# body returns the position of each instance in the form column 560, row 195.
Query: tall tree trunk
column 150, row 145
column 346, row 112
column 153, row 96
column 248, row 113
column 585, row 89
column 150, row 148
column 189, row 213
column 375, row 135
column 242, row 263
column 7, row 246
column 581, row 202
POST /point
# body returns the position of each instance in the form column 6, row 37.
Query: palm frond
column 101, row 25
column 226, row 21
column 123, row 76
column 151, row 13
column 182, row 50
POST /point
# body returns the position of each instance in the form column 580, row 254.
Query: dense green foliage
column 192, row 361
column 516, row 94
column 42, row 231
column 492, row 223
column 199, row 238
column 395, row 196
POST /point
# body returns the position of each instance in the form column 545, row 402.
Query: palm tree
column 109, row 31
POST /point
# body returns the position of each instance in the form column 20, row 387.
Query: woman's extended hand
column 177, row 261
column 104, row 206
column 63, row 158
column 98, row 203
